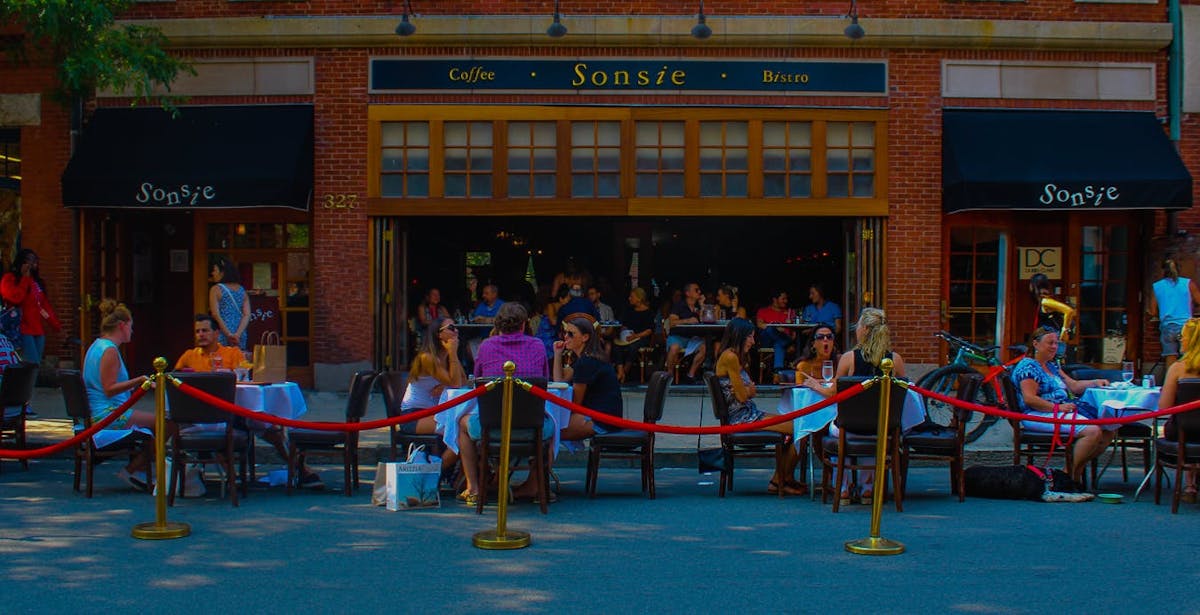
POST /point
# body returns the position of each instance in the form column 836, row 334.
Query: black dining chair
column 392, row 385
column 16, row 391
column 526, row 439
column 1181, row 452
column 342, row 444
column 1030, row 444
column 858, row 425
column 936, row 442
column 743, row 443
column 87, row 455
column 200, row 444
column 632, row 443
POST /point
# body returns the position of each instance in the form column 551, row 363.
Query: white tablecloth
column 795, row 398
column 447, row 420
column 283, row 399
column 1112, row 402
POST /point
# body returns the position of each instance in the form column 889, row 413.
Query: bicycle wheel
column 944, row 380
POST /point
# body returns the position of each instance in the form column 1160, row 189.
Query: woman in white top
column 435, row 367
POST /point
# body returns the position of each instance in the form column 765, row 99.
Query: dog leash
column 1056, row 437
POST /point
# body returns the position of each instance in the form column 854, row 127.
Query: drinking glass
column 217, row 362
column 1127, row 371
column 827, row 372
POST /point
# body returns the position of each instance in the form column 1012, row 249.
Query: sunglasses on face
column 569, row 334
column 823, row 336
column 448, row 328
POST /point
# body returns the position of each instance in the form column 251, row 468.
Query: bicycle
column 944, row 380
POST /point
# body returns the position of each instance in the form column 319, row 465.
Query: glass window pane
column 609, row 133
column 455, row 159
column 481, row 185
column 737, row 134
column 393, row 160
column 672, row 185
column 454, row 133
column 582, row 185
column 710, row 159
column 710, row 133
column 961, row 267
column 518, row 134
column 647, row 184
column 218, row 235
column 801, row 185
column 481, row 159
column 544, row 133
column 736, row 160
column 518, row 160
column 297, row 353
column 544, row 159
column 418, row 185
column 456, row 185
column 270, row 236
column 960, row 325
column 864, row 186
column 647, row 159
column 987, row 266
column 581, row 159
column 773, row 160
column 609, row 186
column 961, row 238
column 735, row 185
column 672, row 159
column 647, row 133
column 418, row 160
column 800, row 134
column 391, row 185
column 774, row 134
column 985, row 295
column 1091, row 267
column 418, row 134
column 1118, row 239
column 518, row 186
column 1115, row 295
column 393, row 133
column 864, row 160
column 672, row 133
column 839, row 185
column 583, row 133
column 297, row 322
column 837, row 134
column 543, row 185
column 1093, row 238
column 297, row 265
column 481, row 134
column 837, row 160
column 864, row 134
column 710, row 185
column 609, row 160
column 774, row 186
column 960, row 294
column 800, row 160
column 985, row 327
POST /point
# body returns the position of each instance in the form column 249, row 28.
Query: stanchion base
column 875, row 546
column 151, row 530
column 492, row 540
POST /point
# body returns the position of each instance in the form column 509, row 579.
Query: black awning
column 206, row 157
column 1054, row 160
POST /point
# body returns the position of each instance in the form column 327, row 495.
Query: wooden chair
column 339, row 444
column 227, row 446
column 858, row 423
column 391, row 384
column 74, row 393
column 631, row 443
column 1180, row 452
column 766, row 361
column 646, row 358
column 945, row 442
column 16, row 391
column 744, row 443
column 525, row 440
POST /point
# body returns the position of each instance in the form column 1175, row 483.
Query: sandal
column 844, row 499
column 1188, row 496
column 788, row 488
column 867, row 497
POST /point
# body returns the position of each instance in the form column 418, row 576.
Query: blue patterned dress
column 739, row 411
column 1051, row 388
column 230, row 309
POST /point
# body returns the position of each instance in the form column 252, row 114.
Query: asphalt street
column 687, row 551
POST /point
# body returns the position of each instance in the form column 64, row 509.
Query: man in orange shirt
column 210, row 355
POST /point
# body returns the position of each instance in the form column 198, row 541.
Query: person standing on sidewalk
column 22, row 286
column 1171, row 302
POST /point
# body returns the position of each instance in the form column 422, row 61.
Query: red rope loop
column 221, row 404
column 679, row 429
column 79, row 437
column 1020, row 416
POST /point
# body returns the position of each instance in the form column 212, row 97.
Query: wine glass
column 1127, row 371
column 827, row 372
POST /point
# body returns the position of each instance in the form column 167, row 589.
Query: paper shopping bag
column 379, row 488
column 413, row 484
column 270, row 359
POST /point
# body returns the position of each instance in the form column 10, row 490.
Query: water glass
column 243, row 374
column 1127, row 371
column 827, row 372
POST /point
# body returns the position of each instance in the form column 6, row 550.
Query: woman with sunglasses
column 594, row 380
column 822, row 348
column 435, row 367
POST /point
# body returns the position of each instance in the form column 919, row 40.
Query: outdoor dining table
column 1119, row 400
column 447, row 420
column 797, row 397
column 706, row 332
column 281, row 399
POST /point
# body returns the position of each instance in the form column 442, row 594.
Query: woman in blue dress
column 1045, row 391
column 228, row 304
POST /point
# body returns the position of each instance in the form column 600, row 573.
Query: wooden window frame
column 628, row 204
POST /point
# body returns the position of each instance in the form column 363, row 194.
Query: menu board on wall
column 264, row 316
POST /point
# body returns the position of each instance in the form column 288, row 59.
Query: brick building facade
column 362, row 281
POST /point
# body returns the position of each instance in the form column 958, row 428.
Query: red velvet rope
column 1008, row 414
column 221, row 404
column 678, row 429
column 79, row 437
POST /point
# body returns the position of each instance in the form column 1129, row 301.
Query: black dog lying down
column 1023, row 483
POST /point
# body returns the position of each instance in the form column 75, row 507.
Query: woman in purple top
column 509, row 344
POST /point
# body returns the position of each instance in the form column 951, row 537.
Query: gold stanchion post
column 160, row 528
column 502, row 537
column 875, row 544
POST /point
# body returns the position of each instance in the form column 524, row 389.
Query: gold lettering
column 579, row 78
column 677, row 77
column 599, row 78
column 662, row 73
column 620, row 77
column 643, row 78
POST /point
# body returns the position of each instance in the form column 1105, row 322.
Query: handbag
column 413, row 484
column 270, row 359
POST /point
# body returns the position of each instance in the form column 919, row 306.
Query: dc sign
column 1034, row 260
